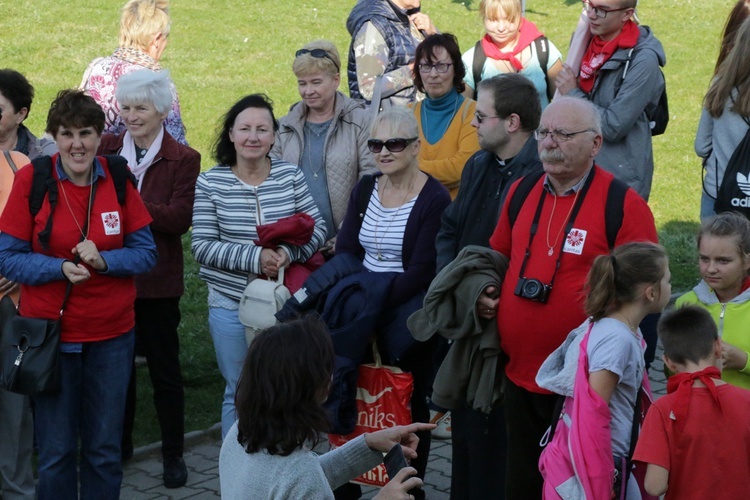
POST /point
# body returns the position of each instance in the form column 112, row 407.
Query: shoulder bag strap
column 10, row 161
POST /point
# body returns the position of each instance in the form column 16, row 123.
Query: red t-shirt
column 711, row 457
column 529, row 330
column 102, row 307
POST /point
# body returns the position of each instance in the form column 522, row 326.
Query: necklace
column 633, row 329
column 88, row 215
column 319, row 130
column 554, row 205
column 378, row 244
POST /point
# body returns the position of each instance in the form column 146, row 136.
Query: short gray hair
column 145, row 86
column 587, row 108
column 399, row 119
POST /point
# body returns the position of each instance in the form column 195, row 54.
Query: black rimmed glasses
column 393, row 145
column 598, row 11
column 440, row 67
column 557, row 135
column 481, row 118
column 317, row 53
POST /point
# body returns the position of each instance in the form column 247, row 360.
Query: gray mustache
column 551, row 155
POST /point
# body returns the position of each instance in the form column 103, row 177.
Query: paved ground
column 143, row 473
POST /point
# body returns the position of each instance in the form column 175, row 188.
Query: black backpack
column 613, row 211
column 658, row 114
column 734, row 191
column 542, row 53
column 44, row 183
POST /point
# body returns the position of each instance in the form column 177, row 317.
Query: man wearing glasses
column 559, row 229
column 507, row 113
column 620, row 74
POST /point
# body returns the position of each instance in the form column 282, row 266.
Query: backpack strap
column 541, row 45
column 478, row 64
column 43, row 184
column 520, row 194
column 118, row 168
column 613, row 211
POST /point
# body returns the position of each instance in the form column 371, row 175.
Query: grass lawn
column 221, row 50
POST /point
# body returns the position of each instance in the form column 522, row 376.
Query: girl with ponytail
column 622, row 288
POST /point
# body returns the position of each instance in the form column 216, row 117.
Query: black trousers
column 527, row 415
column 156, row 322
column 479, row 454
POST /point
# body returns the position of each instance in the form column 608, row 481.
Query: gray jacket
column 627, row 151
column 471, row 372
column 33, row 146
column 347, row 158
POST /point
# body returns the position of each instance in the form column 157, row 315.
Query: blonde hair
column 306, row 64
column 141, row 20
column 492, row 10
column 399, row 120
column 733, row 73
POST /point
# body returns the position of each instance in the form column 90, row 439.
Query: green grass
column 221, row 50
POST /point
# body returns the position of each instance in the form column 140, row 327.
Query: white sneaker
column 443, row 421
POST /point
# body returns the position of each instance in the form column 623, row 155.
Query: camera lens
column 532, row 288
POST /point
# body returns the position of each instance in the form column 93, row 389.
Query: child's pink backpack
column 577, row 462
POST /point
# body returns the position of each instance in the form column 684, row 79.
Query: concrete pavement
column 142, row 478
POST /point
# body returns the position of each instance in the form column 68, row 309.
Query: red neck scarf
column 681, row 384
column 599, row 52
column 527, row 33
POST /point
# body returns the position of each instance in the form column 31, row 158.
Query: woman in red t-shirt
column 98, row 241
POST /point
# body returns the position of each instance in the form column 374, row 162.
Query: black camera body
column 533, row 289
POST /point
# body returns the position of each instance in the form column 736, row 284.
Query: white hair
column 145, row 86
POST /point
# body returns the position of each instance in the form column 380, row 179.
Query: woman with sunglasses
column 395, row 235
column 325, row 134
column 444, row 116
column 512, row 44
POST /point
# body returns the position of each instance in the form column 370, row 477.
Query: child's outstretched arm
column 656, row 479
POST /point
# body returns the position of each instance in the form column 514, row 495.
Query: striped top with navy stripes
column 225, row 216
column 382, row 234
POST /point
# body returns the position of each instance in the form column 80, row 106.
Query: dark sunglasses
column 393, row 145
column 317, row 53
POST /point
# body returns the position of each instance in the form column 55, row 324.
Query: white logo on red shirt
column 575, row 241
column 111, row 221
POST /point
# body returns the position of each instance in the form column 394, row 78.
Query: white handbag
column 261, row 300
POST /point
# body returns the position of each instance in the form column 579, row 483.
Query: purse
column 383, row 401
column 29, row 350
column 260, row 302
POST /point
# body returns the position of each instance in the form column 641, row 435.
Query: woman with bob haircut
column 267, row 452
column 325, row 134
column 448, row 139
column 166, row 172
column 510, row 46
column 725, row 118
column 246, row 189
column 144, row 30
column 97, row 244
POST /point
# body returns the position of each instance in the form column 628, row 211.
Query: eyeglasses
column 481, row 118
column 557, row 135
column 393, row 145
column 318, row 54
column 440, row 67
column 599, row 12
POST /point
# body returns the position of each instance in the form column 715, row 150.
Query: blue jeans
column 707, row 206
column 229, row 343
column 89, row 408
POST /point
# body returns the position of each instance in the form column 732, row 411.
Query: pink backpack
column 577, row 462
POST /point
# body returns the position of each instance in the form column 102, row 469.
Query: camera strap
column 568, row 226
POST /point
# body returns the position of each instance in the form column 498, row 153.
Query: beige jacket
column 347, row 158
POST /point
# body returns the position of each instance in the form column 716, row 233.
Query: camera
column 533, row 289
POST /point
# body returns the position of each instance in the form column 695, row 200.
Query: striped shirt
column 382, row 234
column 225, row 216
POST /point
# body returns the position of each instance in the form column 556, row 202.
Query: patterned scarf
column 599, row 52
column 681, row 384
column 138, row 57
column 527, row 33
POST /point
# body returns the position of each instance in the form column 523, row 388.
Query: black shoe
column 175, row 472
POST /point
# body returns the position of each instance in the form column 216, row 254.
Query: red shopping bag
column 383, row 401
